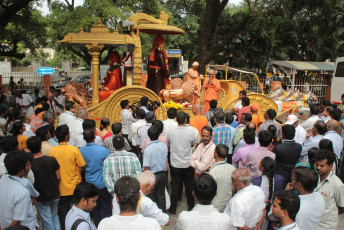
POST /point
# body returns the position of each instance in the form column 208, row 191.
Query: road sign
column 174, row 53
column 45, row 71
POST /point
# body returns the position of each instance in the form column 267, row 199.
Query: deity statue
column 193, row 76
column 158, row 74
column 179, row 91
column 113, row 79
column 76, row 92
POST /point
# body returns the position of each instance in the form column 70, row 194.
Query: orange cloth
column 210, row 92
column 257, row 119
column 113, row 81
column 246, row 109
column 22, row 142
column 199, row 122
column 206, row 106
column 193, row 76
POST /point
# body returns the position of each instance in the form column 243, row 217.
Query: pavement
column 182, row 205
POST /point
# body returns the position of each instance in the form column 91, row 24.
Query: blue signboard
column 174, row 53
column 45, row 71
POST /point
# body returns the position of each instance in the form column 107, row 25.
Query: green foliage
column 28, row 28
column 310, row 30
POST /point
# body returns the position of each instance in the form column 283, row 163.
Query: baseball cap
column 291, row 119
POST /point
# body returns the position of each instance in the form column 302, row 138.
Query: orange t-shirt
column 199, row 122
column 21, row 142
column 257, row 119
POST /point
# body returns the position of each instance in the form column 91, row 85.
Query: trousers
column 64, row 206
column 103, row 208
column 158, row 194
column 178, row 177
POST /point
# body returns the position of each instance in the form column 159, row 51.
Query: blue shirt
column 15, row 203
column 308, row 144
column 222, row 134
column 234, row 124
column 94, row 156
column 53, row 142
column 337, row 142
column 155, row 156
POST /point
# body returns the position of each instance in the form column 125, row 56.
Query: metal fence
column 33, row 80
column 318, row 86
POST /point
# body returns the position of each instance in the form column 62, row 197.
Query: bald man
column 332, row 134
column 211, row 86
column 193, row 76
column 247, row 207
column 198, row 121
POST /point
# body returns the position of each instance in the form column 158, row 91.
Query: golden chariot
column 100, row 37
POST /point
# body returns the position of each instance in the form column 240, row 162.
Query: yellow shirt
column 70, row 160
column 21, row 142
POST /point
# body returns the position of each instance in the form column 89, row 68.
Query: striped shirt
column 118, row 164
column 222, row 134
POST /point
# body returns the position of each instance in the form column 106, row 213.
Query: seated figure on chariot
column 158, row 74
column 113, row 79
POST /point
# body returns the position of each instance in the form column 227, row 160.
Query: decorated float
column 132, row 88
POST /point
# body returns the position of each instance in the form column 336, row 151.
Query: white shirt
column 238, row 105
column 127, row 120
column 308, row 124
column 312, row 207
column 169, row 124
column 246, row 207
column 337, row 142
column 137, row 222
column 28, row 133
column 300, row 135
column 292, row 226
column 222, row 172
column 76, row 213
column 133, row 131
column 332, row 189
column 79, row 141
column 61, row 100
column 75, row 129
column 66, row 117
column 197, row 136
column 148, row 209
column 203, row 217
column 25, row 100
column 181, row 139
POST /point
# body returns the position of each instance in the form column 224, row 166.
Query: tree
column 9, row 8
column 26, row 27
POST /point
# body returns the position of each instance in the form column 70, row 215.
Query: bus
column 337, row 85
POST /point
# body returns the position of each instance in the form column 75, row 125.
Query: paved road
column 182, row 205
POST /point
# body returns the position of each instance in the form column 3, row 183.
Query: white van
column 337, row 85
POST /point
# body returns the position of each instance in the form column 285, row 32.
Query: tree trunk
column 208, row 46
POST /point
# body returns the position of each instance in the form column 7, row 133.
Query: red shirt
column 246, row 109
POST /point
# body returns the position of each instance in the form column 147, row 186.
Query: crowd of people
column 238, row 170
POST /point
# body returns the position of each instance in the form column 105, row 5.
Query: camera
column 153, row 105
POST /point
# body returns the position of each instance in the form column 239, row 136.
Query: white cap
column 195, row 63
column 291, row 119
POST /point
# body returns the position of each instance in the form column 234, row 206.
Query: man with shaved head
column 198, row 121
column 332, row 127
column 211, row 86
column 247, row 207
